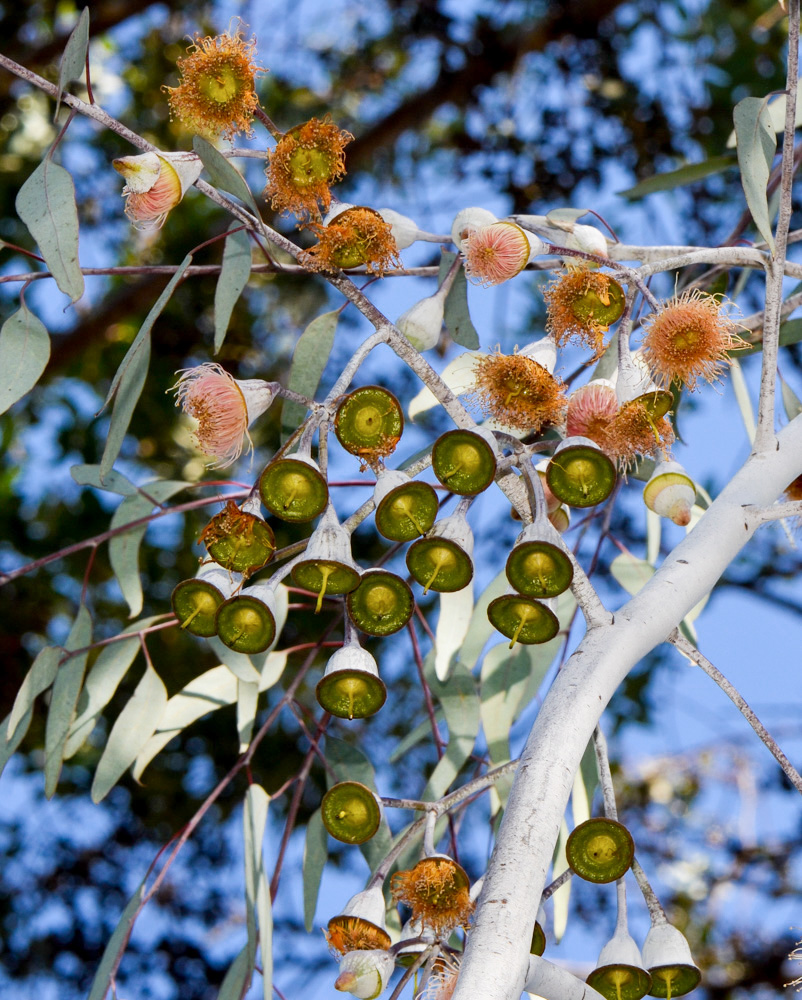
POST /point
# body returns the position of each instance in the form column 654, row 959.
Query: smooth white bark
column 496, row 960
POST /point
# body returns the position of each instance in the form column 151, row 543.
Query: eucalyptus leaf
column 46, row 204
column 38, row 679
column 565, row 218
column 503, row 679
column 66, row 689
column 241, row 665
column 112, row 482
column 461, row 707
column 480, row 628
column 24, row 353
column 315, row 857
column 456, row 608
column 8, row 747
column 689, row 173
column 460, row 377
column 309, row 361
column 561, row 897
column 757, row 144
column 73, row 62
column 791, row 402
column 102, row 682
column 124, row 548
column 456, row 315
column 234, row 275
column 415, row 736
column 247, row 699
column 236, row 977
column 741, row 390
column 117, row 943
column 132, row 729
column 254, row 820
column 223, row 173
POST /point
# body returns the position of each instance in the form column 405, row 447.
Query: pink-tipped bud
column 155, row 184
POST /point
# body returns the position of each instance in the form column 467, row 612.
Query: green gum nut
column 351, row 812
column 369, row 422
column 580, row 474
column 239, row 539
column 619, row 972
column 670, row 493
column 382, row 603
column 523, row 619
column 195, row 602
column 600, row 850
column 351, row 687
column 537, row 567
column 465, row 461
column 538, row 945
column 329, row 569
column 592, row 307
column 247, row 622
column 668, row 958
column 294, row 488
column 411, row 931
column 405, row 508
column 441, row 560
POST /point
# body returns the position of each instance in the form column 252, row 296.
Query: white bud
column 364, row 974
column 405, row 231
column 422, row 323
column 467, row 220
column 588, row 239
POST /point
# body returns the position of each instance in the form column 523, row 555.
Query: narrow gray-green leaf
column 565, row 218
column 791, row 402
column 117, row 943
column 125, row 399
column 420, row 732
column 24, row 353
column 757, row 144
column 247, row 698
column 73, row 62
column 461, row 706
column 238, row 973
column 309, row 360
column 112, row 482
column 456, row 316
column 503, row 680
column 46, row 204
column 132, row 729
column 254, row 819
column 689, row 173
column 38, row 679
column 66, row 688
column 102, row 681
column 240, row 664
column 124, row 548
column 9, row 747
column 264, row 913
column 315, row 857
column 632, row 573
column 234, row 275
column 223, row 173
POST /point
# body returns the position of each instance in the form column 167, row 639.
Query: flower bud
column 422, row 323
column 670, row 493
column 155, row 184
column 365, row 974
column 467, row 220
column 405, row 230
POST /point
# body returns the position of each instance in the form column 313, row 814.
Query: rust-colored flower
column 304, row 163
column 354, row 237
column 495, row 253
column 581, row 305
column 634, row 432
column 224, row 407
column 216, row 95
column 346, row 933
column 518, row 391
column 591, row 411
column 688, row 339
column 437, row 891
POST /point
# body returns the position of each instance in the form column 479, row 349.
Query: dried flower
column 155, row 184
column 224, row 407
column 347, row 933
column 365, row 973
column 304, row 163
column 437, row 891
column 634, row 432
column 581, row 305
column 591, row 410
column 495, row 253
column 518, row 391
column 688, row 339
column 354, row 237
column 443, row 979
column 216, row 95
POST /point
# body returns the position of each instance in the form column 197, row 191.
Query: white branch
column 497, row 956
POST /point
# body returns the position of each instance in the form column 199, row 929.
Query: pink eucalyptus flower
column 224, row 407
column 591, row 409
column 495, row 253
column 155, row 184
